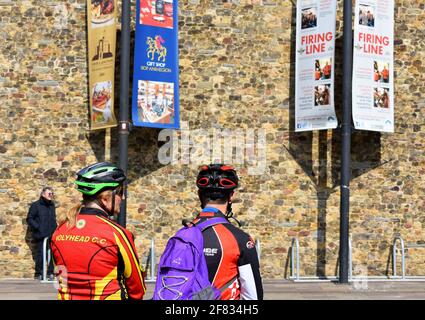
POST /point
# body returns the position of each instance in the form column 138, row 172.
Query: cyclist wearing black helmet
column 231, row 256
column 96, row 258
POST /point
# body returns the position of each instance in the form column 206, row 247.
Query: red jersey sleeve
column 133, row 278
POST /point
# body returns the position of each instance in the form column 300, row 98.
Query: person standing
column 42, row 222
column 376, row 75
column 230, row 253
column 385, row 74
column 317, row 74
column 327, row 71
column 95, row 257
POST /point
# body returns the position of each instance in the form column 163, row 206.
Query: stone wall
column 237, row 73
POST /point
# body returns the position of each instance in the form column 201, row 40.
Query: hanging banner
column 155, row 100
column 101, row 25
column 314, row 71
column 373, row 68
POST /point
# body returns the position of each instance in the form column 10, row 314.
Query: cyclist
column 231, row 256
column 96, row 258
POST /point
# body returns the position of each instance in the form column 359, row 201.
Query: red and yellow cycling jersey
column 96, row 259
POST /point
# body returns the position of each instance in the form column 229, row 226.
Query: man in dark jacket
column 42, row 221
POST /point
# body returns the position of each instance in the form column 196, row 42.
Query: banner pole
column 108, row 144
column 346, row 143
column 123, row 130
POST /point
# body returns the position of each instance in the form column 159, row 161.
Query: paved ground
column 18, row 289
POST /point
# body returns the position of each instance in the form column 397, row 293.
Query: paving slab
column 28, row 289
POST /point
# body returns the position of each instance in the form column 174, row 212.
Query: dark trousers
column 39, row 258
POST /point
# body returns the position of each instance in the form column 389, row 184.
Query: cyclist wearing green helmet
column 94, row 179
column 96, row 258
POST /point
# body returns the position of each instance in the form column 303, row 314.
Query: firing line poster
column 315, row 56
column 155, row 101
column 373, row 67
column 101, row 26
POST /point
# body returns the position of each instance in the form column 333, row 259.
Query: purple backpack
column 182, row 270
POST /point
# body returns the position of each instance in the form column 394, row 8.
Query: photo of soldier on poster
column 381, row 97
column 322, row 95
column 308, row 18
column 323, row 69
column 381, row 71
column 366, row 15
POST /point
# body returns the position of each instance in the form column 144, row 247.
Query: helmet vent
column 100, row 171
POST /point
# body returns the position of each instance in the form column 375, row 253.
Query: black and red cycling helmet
column 217, row 180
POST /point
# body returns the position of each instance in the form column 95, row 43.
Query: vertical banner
column 314, row 72
column 373, row 67
column 101, row 26
column 155, row 100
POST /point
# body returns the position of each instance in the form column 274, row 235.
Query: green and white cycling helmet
column 99, row 177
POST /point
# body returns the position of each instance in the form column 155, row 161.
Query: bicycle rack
column 295, row 264
column 403, row 276
column 403, row 262
column 47, row 256
column 350, row 259
column 403, row 248
column 297, row 252
column 151, row 257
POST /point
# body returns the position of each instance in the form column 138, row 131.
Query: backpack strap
column 211, row 222
column 225, row 286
